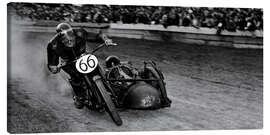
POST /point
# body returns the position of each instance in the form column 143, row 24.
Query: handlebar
column 101, row 45
column 96, row 49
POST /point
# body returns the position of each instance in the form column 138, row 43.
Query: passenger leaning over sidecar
column 67, row 44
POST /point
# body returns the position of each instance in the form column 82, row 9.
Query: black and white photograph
column 129, row 68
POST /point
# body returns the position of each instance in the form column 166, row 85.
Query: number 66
column 86, row 64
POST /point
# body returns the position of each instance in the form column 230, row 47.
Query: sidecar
column 137, row 88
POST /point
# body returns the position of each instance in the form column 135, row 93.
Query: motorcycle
column 97, row 93
column 119, row 85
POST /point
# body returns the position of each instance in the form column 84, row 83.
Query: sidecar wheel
column 151, row 73
column 160, row 85
column 109, row 106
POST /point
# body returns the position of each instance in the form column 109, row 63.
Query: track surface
column 210, row 88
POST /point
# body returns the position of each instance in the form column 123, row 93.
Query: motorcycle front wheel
column 108, row 103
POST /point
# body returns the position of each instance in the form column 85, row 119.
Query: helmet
column 68, row 36
column 112, row 60
column 62, row 26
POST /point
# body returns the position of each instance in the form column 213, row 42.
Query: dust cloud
column 28, row 62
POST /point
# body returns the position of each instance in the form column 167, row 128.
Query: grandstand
column 231, row 19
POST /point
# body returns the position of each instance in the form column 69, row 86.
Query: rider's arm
column 87, row 36
column 92, row 37
column 52, row 57
column 101, row 37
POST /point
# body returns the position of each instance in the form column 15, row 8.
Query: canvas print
column 113, row 68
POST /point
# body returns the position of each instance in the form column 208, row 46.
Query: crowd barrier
column 189, row 35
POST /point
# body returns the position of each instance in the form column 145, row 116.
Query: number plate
column 86, row 63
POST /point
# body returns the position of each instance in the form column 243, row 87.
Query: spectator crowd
column 231, row 19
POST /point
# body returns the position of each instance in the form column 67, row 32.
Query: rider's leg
column 75, row 82
column 77, row 93
column 76, row 86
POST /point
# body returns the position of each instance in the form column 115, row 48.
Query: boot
column 78, row 95
column 78, row 102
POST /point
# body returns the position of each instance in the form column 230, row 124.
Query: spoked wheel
column 151, row 73
column 108, row 103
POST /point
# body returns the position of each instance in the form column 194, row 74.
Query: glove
column 54, row 69
column 108, row 42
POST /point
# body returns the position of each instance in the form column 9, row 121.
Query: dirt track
column 210, row 87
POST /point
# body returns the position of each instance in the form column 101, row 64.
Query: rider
column 67, row 44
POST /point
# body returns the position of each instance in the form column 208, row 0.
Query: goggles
column 68, row 38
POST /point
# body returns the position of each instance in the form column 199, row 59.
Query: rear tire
column 108, row 103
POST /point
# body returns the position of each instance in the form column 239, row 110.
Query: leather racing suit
column 56, row 49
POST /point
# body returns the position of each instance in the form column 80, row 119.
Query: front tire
column 108, row 103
